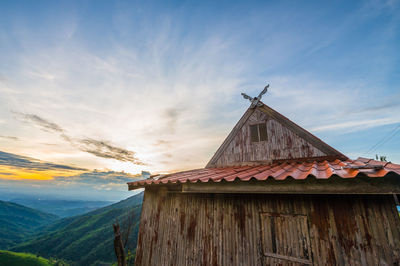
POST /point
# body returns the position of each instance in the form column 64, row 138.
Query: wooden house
column 273, row 194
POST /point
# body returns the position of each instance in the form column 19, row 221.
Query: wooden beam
column 389, row 184
column 169, row 187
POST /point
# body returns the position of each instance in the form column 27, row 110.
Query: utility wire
column 385, row 139
column 393, row 134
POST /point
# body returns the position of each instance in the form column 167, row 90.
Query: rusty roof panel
column 278, row 171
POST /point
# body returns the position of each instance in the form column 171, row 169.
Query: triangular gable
column 285, row 140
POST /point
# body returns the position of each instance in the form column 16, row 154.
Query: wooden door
column 286, row 239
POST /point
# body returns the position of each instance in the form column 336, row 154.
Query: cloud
column 153, row 63
column 100, row 180
column 162, row 142
column 101, row 177
column 356, row 125
column 387, row 105
column 104, row 149
column 9, row 138
column 307, row 103
column 6, row 173
column 99, row 148
column 40, row 122
column 167, row 155
column 91, row 184
column 27, row 163
column 172, row 116
column 17, row 170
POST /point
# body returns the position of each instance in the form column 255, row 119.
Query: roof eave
column 360, row 184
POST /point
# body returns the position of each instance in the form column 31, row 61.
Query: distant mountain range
column 18, row 223
column 86, row 239
column 61, row 207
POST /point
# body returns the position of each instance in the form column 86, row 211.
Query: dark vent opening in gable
column 258, row 132
column 262, row 129
column 254, row 133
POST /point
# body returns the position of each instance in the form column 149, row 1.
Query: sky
column 92, row 93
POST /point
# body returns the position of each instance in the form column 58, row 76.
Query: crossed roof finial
column 256, row 100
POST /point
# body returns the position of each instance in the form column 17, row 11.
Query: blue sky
column 131, row 86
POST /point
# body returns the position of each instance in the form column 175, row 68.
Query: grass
column 8, row 258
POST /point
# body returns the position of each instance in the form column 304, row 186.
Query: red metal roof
column 278, row 171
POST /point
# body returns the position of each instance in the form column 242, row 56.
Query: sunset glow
column 125, row 88
column 22, row 174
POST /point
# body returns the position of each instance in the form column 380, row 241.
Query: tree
column 380, row 158
column 121, row 238
column 119, row 246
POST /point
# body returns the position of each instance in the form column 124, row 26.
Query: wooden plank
column 343, row 229
column 231, row 135
column 301, row 132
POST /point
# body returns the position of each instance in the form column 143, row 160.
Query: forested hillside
column 18, row 222
column 87, row 239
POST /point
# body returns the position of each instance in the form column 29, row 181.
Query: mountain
column 87, row 239
column 61, row 207
column 18, row 222
column 8, row 258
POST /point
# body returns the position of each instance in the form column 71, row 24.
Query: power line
column 394, row 133
column 385, row 139
column 381, row 141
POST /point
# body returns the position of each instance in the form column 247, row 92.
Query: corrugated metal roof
column 278, row 171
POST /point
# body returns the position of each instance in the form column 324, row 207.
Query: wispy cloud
column 27, row 163
column 99, row 148
column 6, row 174
column 172, row 116
column 17, row 171
column 104, row 149
column 322, row 106
column 40, row 122
column 355, row 125
column 161, row 142
column 9, row 138
column 92, row 184
column 100, row 178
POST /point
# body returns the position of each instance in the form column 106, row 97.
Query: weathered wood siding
column 282, row 143
column 233, row 229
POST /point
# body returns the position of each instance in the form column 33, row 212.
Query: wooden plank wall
column 225, row 229
column 282, row 143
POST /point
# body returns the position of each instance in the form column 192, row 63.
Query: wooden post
column 118, row 246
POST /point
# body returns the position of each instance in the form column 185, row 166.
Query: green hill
column 18, row 222
column 87, row 239
column 8, row 258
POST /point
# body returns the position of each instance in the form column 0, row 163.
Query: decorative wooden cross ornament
column 256, row 100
